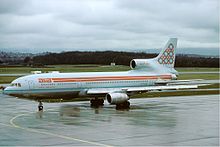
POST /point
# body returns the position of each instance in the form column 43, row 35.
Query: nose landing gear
column 40, row 106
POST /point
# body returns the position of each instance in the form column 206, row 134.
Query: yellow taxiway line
column 51, row 134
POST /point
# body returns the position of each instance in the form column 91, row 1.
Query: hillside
column 120, row 58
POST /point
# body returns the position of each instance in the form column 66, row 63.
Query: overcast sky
column 107, row 24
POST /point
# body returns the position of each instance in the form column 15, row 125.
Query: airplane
column 145, row 75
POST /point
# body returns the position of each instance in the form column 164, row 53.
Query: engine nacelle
column 139, row 63
column 117, row 98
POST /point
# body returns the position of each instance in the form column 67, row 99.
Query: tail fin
column 167, row 55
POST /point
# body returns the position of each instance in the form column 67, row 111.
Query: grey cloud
column 107, row 23
column 12, row 6
column 196, row 13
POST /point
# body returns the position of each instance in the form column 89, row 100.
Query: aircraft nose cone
column 2, row 87
column 5, row 90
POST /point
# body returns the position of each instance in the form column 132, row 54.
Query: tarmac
column 168, row 121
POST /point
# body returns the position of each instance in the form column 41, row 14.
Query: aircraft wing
column 141, row 89
column 104, row 90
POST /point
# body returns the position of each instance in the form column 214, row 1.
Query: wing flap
column 171, row 87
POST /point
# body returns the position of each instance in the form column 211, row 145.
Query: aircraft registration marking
column 45, row 80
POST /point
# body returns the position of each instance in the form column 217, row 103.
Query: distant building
column 53, row 72
column 36, row 72
column 113, row 64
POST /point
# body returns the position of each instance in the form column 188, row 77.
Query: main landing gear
column 122, row 106
column 97, row 102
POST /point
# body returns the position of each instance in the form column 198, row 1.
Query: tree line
column 120, row 58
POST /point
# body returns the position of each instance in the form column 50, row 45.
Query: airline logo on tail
column 168, row 55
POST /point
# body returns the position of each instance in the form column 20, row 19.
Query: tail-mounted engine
column 140, row 63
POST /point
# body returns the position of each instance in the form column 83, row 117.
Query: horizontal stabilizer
column 177, row 81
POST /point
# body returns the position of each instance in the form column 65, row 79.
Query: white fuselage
column 70, row 85
column 115, row 86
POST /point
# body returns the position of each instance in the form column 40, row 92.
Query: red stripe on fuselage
column 112, row 78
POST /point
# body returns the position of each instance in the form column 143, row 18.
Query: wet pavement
column 190, row 120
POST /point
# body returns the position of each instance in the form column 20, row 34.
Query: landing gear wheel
column 96, row 102
column 121, row 106
column 40, row 106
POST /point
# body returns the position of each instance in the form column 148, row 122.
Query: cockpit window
column 16, row 84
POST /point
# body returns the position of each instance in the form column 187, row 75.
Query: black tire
column 122, row 106
column 92, row 101
column 127, row 104
column 96, row 102
column 40, row 108
column 117, row 107
column 101, row 102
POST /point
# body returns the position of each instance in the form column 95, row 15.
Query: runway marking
column 6, row 125
column 51, row 134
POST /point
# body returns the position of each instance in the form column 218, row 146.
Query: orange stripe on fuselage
column 102, row 77
column 90, row 79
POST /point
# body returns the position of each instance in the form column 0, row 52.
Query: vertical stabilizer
column 167, row 55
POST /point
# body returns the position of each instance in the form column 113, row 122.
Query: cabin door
column 31, row 84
